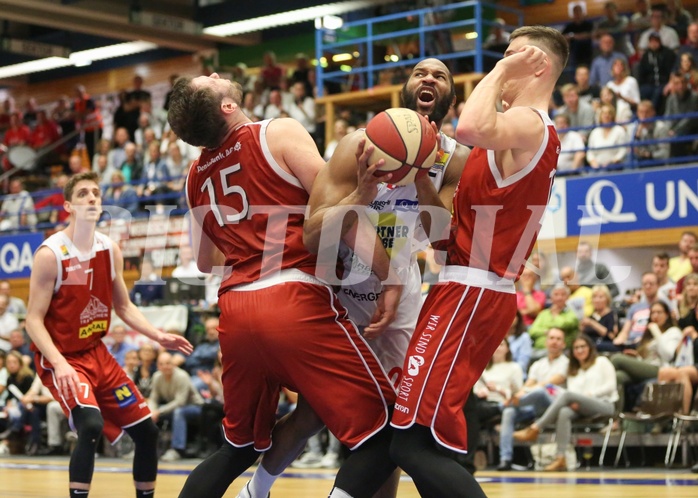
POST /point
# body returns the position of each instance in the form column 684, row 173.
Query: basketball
column 405, row 140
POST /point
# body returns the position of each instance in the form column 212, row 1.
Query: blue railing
column 362, row 37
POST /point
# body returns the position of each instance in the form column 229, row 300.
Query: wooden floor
column 48, row 478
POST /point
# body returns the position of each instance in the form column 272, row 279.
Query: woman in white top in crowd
column 606, row 135
column 623, row 85
column 572, row 150
column 591, row 391
column 502, row 378
column 623, row 111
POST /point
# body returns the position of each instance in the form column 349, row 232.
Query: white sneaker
column 245, row 492
column 330, row 460
column 171, row 455
column 308, row 461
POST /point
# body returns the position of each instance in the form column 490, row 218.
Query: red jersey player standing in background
column 498, row 208
column 280, row 325
column 76, row 277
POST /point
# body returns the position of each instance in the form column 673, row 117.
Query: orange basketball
column 405, row 140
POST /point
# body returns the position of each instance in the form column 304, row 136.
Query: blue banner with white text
column 17, row 254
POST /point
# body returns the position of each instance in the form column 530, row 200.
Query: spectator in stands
column 120, row 344
column 537, row 393
column 16, row 304
column 103, row 149
column 76, row 164
column 174, row 396
column 586, row 91
column 250, row 106
column 681, row 100
column 529, row 300
column 205, row 353
column 50, row 208
column 155, row 175
column 117, row 154
column 656, row 348
column 30, row 111
column 212, row 410
column 17, row 210
column 120, row 200
column 340, row 131
column 680, row 266
column 645, row 130
column 139, row 94
column 186, row 269
column 693, row 259
column 18, row 409
column 690, row 46
column 689, row 297
column 132, row 167
column 8, row 109
column 105, row 171
column 623, row 85
column 639, row 313
column 669, row 37
column 143, row 377
column 602, row 324
column 149, row 289
column 44, row 134
column 56, row 427
column 640, row 20
column 624, row 113
column 591, row 273
column 616, row 26
column 653, row 71
column 17, row 134
column 88, row 118
column 557, row 316
column 579, row 300
column 172, row 79
column 271, row 73
column 572, row 149
column 579, row 33
column 689, row 69
column 62, row 114
column 302, row 108
column 177, row 165
column 667, row 287
column 602, row 63
column 678, row 18
column 607, row 143
column 302, row 73
column 498, row 38
column 580, row 113
column 18, row 342
column 591, row 391
column 126, row 115
column 139, row 135
column 520, row 343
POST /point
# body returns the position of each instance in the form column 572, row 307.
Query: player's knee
column 89, row 423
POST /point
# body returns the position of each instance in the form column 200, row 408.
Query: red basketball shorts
column 458, row 330
column 296, row 334
column 103, row 385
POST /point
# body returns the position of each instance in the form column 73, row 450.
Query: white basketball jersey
column 395, row 214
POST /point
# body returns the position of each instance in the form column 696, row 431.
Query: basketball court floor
column 34, row 477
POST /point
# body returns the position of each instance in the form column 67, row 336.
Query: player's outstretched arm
column 517, row 128
column 41, row 285
column 133, row 317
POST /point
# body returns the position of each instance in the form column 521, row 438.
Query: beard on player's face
column 440, row 107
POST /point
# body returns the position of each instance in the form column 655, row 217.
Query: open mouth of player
column 426, row 96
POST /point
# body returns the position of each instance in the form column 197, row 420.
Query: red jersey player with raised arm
column 280, row 325
column 76, row 277
column 498, row 207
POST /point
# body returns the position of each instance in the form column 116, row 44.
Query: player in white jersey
column 395, row 214
column 430, row 90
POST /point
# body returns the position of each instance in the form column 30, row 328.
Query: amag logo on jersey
column 17, row 253
column 662, row 198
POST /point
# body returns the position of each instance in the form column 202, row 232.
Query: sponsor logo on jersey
column 378, row 205
column 64, row 251
column 94, row 309
column 401, row 408
column 124, row 396
column 95, row 327
column 414, row 362
column 407, row 205
column 74, row 267
column 361, row 296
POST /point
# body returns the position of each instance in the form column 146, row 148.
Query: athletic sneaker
column 330, row 460
column 308, row 461
column 171, row 455
column 245, row 492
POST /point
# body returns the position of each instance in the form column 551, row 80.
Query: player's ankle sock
column 145, row 493
column 261, row 482
column 338, row 493
column 79, row 493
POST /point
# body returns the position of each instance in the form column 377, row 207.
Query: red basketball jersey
column 250, row 207
column 81, row 305
column 496, row 221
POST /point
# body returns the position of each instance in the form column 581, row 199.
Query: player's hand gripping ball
column 407, row 142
